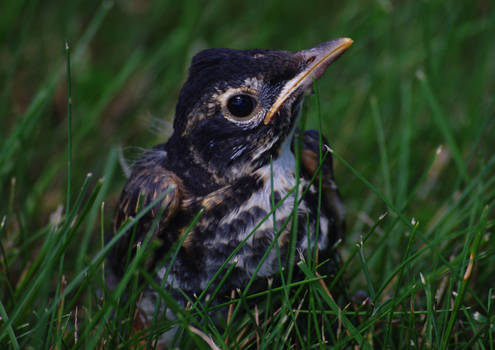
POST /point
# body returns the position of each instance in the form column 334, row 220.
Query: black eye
column 241, row 105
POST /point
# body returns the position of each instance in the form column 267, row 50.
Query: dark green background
column 421, row 74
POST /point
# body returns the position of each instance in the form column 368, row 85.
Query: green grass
column 409, row 112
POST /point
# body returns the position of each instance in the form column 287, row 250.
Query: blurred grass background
column 409, row 108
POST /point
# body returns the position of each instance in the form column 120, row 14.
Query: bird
column 224, row 192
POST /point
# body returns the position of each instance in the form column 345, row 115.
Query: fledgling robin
column 231, row 155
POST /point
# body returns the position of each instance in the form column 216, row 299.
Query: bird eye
column 241, row 105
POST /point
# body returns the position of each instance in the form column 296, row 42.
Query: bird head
column 239, row 107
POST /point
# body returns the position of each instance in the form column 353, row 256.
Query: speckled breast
column 250, row 229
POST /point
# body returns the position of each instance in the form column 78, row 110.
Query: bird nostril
column 310, row 60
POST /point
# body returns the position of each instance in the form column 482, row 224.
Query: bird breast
column 256, row 225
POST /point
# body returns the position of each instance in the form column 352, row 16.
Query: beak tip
column 317, row 59
column 341, row 43
column 347, row 42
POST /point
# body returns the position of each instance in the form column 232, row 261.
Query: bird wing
column 149, row 182
column 331, row 200
column 332, row 207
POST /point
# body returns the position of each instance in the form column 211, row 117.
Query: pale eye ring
column 241, row 105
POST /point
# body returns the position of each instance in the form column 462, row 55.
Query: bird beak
column 316, row 62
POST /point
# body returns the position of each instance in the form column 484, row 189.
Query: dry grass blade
column 206, row 338
column 296, row 314
column 229, row 314
column 257, row 319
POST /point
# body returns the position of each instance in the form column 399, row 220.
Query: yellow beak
column 317, row 60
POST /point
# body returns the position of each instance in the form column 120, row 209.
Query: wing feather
column 332, row 202
column 148, row 182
